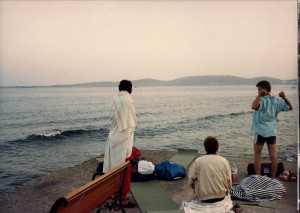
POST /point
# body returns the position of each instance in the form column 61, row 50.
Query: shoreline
column 40, row 194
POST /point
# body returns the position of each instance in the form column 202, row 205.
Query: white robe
column 120, row 139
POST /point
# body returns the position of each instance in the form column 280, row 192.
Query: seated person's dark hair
column 125, row 85
column 264, row 84
column 211, row 145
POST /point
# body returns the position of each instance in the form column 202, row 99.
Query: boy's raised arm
column 261, row 93
column 282, row 95
column 255, row 104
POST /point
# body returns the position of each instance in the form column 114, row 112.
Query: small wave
column 229, row 115
column 57, row 134
column 142, row 114
column 185, row 125
column 290, row 158
column 51, row 133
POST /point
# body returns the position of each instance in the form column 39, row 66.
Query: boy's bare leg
column 273, row 155
column 257, row 156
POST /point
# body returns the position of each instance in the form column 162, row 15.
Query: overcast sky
column 66, row 42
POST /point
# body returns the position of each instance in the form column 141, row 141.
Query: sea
column 45, row 129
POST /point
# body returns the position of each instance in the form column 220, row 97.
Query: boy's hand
column 262, row 92
column 281, row 94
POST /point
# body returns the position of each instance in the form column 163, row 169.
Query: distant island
column 188, row 81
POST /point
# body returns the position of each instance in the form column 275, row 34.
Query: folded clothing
column 145, row 167
column 136, row 176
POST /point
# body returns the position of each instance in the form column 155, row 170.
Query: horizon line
column 74, row 84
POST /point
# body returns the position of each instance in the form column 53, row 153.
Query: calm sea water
column 46, row 129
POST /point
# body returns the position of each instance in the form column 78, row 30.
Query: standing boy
column 265, row 115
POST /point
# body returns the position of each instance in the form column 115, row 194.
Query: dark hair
column 125, row 85
column 264, row 84
column 211, row 145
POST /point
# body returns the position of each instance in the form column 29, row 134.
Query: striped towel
column 123, row 111
column 120, row 139
column 258, row 188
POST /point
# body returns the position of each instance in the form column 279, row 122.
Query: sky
column 46, row 43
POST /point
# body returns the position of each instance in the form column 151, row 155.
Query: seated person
column 210, row 175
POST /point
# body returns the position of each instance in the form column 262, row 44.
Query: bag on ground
column 169, row 170
column 265, row 169
column 138, row 177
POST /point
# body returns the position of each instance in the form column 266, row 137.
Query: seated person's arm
column 192, row 175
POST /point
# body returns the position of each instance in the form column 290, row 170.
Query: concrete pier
column 39, row 195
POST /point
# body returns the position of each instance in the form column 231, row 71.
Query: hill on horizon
column 186, row 81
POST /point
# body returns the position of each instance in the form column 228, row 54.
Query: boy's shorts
column 260, row 140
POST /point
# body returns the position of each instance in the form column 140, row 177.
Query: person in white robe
column 120, row 139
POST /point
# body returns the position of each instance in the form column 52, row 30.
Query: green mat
column 184, row 157
column 151, row 197
column 168, row 211
column 270, row 204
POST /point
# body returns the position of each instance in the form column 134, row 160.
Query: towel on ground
column 194, row 206
column 120, row 138
column 258, row 188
